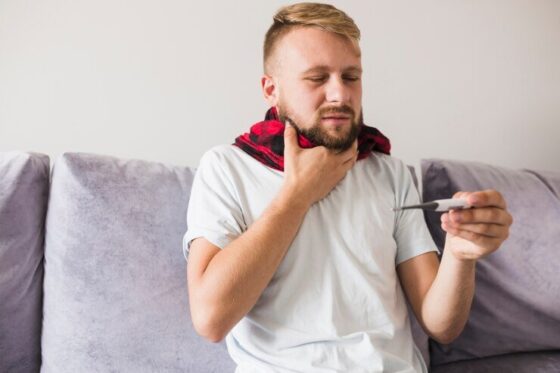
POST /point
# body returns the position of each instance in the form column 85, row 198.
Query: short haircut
column 319, row 15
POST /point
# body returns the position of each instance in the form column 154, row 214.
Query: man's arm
column 441, row 294
column 224, row 284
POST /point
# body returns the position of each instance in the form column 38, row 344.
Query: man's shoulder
column 228, row 159
column 233, row 159
column 219, row 151
column 222, row 154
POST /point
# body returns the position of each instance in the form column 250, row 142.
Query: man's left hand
column 476, row 232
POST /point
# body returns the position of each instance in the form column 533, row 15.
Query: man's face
column 316, row 77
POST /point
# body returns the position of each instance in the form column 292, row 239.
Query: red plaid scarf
column 265, row 141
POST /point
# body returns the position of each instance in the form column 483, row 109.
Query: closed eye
column 316, row 79
column 351, row 78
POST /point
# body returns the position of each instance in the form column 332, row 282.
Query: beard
column 319, row 136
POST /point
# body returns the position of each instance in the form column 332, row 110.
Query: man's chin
column 338, row 143
column 334, row 135
column 336, row 138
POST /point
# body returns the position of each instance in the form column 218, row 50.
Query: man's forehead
column 313, row 48
column 310, row 36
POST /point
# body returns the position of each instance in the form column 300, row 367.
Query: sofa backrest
column 24, row 190
column 516, row 305
column 116, row 296
column 115, row 279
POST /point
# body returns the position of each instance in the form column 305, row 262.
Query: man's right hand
column 224, row 284
column 310, row 174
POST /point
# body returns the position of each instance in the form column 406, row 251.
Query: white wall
column 166, row 80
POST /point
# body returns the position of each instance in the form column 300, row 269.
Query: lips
column 335, row 120
column 336, row 116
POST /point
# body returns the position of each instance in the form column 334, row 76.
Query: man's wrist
column 289, row 197
column 457, row 260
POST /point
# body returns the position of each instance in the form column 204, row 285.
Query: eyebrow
column 323, row 68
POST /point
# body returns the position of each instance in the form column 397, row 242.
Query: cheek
column 357, row 101
column 302, row 103
column 305, row 95
column 357, row 95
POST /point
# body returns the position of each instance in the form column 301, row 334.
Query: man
column 294, row 253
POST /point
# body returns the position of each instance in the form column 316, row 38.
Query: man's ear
column 270, row 90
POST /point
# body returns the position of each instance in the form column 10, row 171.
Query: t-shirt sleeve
column 411, row 232
column 213, row 211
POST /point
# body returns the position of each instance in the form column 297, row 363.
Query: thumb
column 290, row 137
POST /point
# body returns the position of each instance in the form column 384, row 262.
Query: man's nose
column 337, row 91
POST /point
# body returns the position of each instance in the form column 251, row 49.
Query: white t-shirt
column 335, row 303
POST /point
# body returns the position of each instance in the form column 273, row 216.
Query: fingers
column 349, row 154
column 483, row 245
column 483, row 198
column 485, row 226
column 483, row 235
column 489, row 207
column 488, row 230
column 492, row 215
column 290, row 138
column 351, row 159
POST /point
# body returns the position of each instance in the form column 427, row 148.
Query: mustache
column 344, row 109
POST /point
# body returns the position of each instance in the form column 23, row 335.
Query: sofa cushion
column 521, row 362
column 516, row 305
column 24, row 191
column 115, row 280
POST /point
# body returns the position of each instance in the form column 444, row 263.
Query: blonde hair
column 324, row 16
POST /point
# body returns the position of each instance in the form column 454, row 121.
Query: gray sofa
column 92, row 276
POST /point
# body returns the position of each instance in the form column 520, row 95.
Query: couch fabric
column 115, row 284
column 24, row 191
column 516, row 307
column 520, row 362
column 115, row 295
